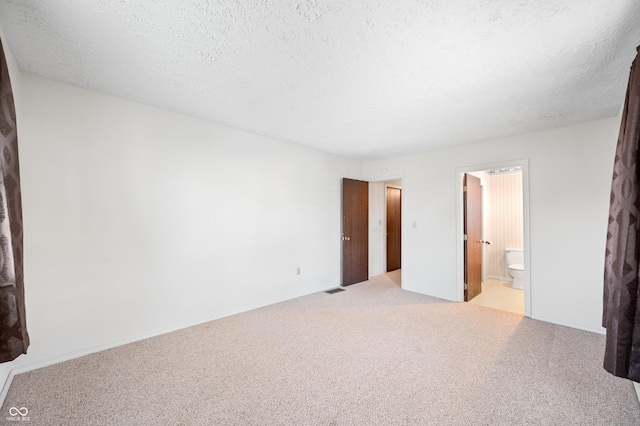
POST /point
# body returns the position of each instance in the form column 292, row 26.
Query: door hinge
column 466, row 286
column 464, row 188
column 465, row 237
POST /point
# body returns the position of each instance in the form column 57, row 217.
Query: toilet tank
column 514, row 255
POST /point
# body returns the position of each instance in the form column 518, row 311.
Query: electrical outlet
column 298, row 271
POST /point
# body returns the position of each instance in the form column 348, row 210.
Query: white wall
column 140, row 220
column 377, row 229
column 570, row 178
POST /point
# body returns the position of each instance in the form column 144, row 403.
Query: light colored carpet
column 394, row 276
column 373, row 354
column 498, row 294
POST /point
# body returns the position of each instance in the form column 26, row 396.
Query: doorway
column 372, row 255
column 385, row 229
column 505, row 227
column 394, row 228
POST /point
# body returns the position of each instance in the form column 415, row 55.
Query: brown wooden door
column 473, row 241
column 355, row 231
column 394, row 226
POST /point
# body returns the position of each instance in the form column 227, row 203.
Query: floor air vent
column 334, row 290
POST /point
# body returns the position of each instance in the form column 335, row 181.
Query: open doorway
column 385, row 229
column 503, row 242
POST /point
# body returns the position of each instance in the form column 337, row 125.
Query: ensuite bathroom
column 503, row 233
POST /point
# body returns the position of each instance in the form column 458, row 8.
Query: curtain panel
column 14, row 339
column 621, row 316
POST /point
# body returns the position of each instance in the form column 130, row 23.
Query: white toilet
column 515, row 264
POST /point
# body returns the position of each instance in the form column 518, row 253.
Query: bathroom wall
column 503, row 221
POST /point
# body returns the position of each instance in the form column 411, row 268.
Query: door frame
column 385, row 179
column 528, row 308
column 386, row 220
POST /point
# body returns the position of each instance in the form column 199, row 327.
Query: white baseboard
column 87, row 351
column 30, row 366
column 495, row 277
column 597, row 330
column 5, row 388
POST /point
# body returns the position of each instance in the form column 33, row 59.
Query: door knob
column 485, row 242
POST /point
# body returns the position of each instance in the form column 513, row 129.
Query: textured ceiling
column 364, row 79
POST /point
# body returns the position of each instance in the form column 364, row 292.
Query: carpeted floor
column 373, row 354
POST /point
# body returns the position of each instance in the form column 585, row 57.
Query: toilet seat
column 516, row 267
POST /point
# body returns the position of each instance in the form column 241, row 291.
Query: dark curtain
column 14, row 339
column 622, row 262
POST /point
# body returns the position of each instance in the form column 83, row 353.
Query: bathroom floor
column 500, row 295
